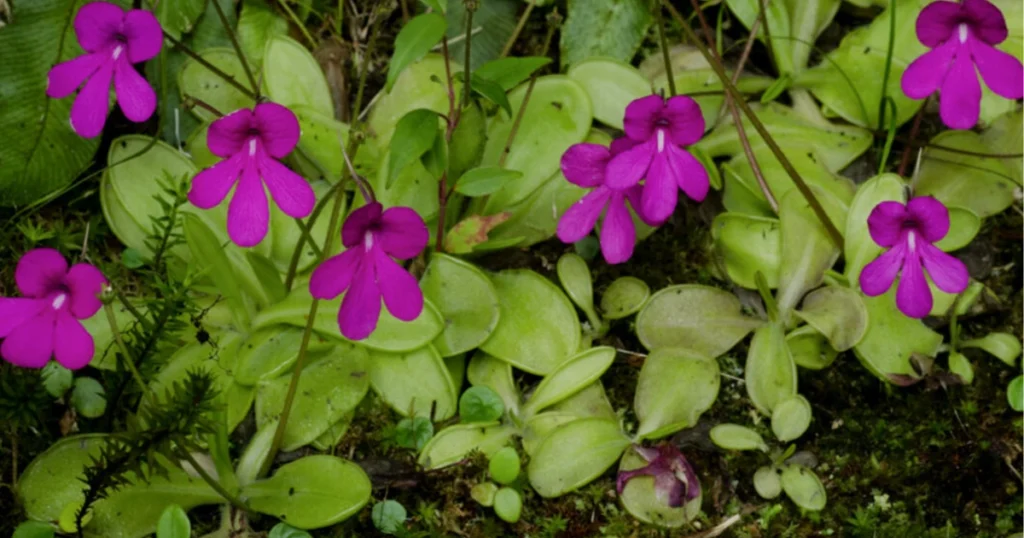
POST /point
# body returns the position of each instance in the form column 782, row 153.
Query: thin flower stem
column 664, row 52
column 212, row 68
column 887, row 70
column 238, row 48
column 213, row 483
column 805, row 191
column 519, row 28
column 129, row 363
column 298, row 23
column 910, row 141
column 293, row 264
column 190, row 100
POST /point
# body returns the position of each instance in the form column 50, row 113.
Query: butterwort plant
column 372, row 236
column 962, row 36
column 46, row 321
column 251, row 141
column 114, row 40
column 909, row 231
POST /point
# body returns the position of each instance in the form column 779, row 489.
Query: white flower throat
column 59, row 300
column 962, row 29
column 661, row 140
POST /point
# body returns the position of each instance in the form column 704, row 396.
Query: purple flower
column 113, row 40
column 45, row 322
column 585, row 165
column 962, row 36
column 251, row 141
column 909, row 231
column 655, row 130
column 367, row 271
column 675, row 482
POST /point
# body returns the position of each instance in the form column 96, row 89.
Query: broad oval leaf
column 791, row 418
column 675, row 387
column 641, row 500
column 624, row 297
column 613, row 29
column 486, row 371
column 892, row 337
column 414, row 41
column 466, row 299
column 195, row 80
column 414, row 135
column 212, row 260
column 838, row 313
column 571, row 377
column 959, row 365
column 611, row 85
column 509, row 72
column 964, row 225
column 736, row 437
column 414, row 383
column 589, row 402
column 455, row 442
column 983, row 185
column 807, row 250
column 292, row 76
column 767, row 482
column 810, row 349
column 748, row 245
column 811, row 167
column 539, row 329
column 307, row 494
column 703, row 319
column 860, row 248
column 575, row 277
column 88, row 397
column 575, row 454
column 257, row 23
column 484, row 180
column 173, row 523
column 421, row 85
column 770, row 372
column 269, row 353
column 803, row 487
column 539, row 426
column 1003, row 346
column 1015, row 393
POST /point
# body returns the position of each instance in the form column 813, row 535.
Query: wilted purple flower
column 113, row 40
column 367, row 271
column 675, row 482
column 45, row 322
column 655, row 131
column 585, row 165
column 962, row 36
column 251, row 141
column 909, row 231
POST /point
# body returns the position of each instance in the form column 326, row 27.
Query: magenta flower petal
column 39, row 271
column 913, row 297
column 401, row 292
column 685, row 120
column 72, row 344
column 948, row 273
column 17, row 310
column 885, row 223
column 689, row 173
column 618, row 235
column 641, row 116
column 97, row 24
column 136, row 98
column 960, row 96
column 360, row 309
column 931, row 216
column 937, row 22
column 85, row 283
column 621, row 144
column 634, row 195
column 1002, row 73
column 628, row 168
column 358, row 222
column 335, row 274
column 228, row 135
column 668, row 489
column 660, row 191
column 584, row 164
column 278, row 127
column 89, row 111
column 30, row 344
column 402, row 233
column 675, row 481
column 64, row 78
column 925, row 74
column 248, row 213
column 986, row 21
column 580, row 219
column 210, row 186
column 143, row 34
column 877, row 277
column 290, row 191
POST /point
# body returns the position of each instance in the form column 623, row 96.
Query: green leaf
column 624, row 297
column 641, row 500
column 388, row 517
column 255, row 454
column 807, row 250
column 748, row 245
column 484, row 493
column 484, row 180
column 1006, row 135
column 56, row 379
column 480, row 404
column 292, row 76
column 964, row 225
column 838, row 313
column 492, row 91
column 435, row 160
column 268, row 275
column 88, row 397
column 132, row 259
column 959, row 365
column 983, row 185
column 613, row 28
column 892, row 337
column 571, row 377
column 439, row 6
column 510, row 72
column 305, row 492
column 414, row 136
column 674, row 389
column 1015, row 393
column 34, row 529
column 1003, row 346
column 493, row 24
column 611, row 85
column 589, row 402
column 539, row 329
column 269, row 353
column 177, row 17
column 791, row 418
column 504, row 466
column 495, row 374
column 197, row 81
column 413, row 433
column 861, row 249
column 705, row 320
column 810, row 349
column 767, row 482
column 256, row 25
column 455, row 442
column 470, row 309
column 736, row 437
column 284, row 530
column 694, row 75
column 421, row 85
column 803, row 487
column 41, row 153
column 414, row 383
column 213, row 261
column 173, row 523
column 472, row 232
column 770, row 372
column 575, row 278
column 574, row 455
column 467, row 144
column 508, row 504
column 414, row 40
